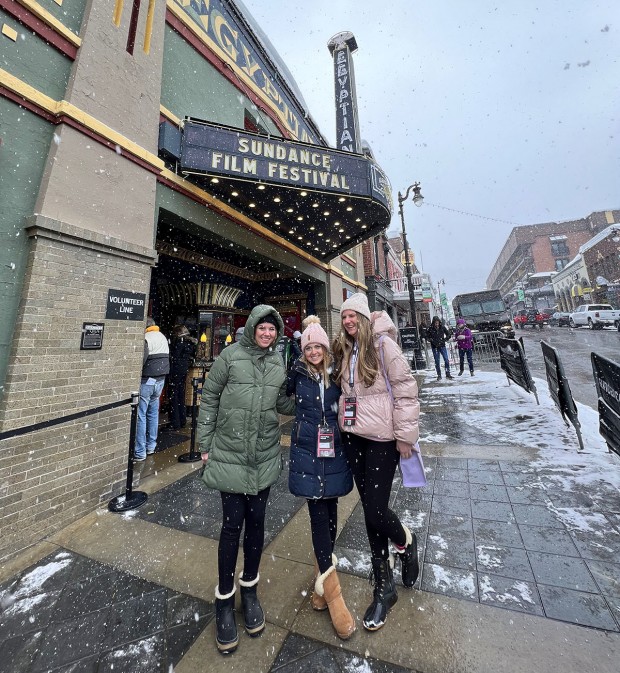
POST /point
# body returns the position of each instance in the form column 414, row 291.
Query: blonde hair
column 367, row 360
column 324, row 369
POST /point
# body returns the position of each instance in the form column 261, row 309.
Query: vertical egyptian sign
column 341, row 46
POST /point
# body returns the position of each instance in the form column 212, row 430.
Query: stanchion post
column 131, row 499
column 193, row 456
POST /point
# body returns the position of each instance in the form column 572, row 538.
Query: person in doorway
column 155, row 367
column 378, row 415
column 289, row 350
column 465, row 342
column 239, row 334
column 318, row 468
column 239, row 438
column 182, row 352
column 423, row 330
column 297, row 337
column 437, row 334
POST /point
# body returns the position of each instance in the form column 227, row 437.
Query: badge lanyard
column 325, row 440
column 350, row 403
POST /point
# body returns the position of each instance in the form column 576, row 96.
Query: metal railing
column 485, row 351
column 131, row 499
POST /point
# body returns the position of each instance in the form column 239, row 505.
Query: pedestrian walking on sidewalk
column 239, row 438
column 438, row 334
column 155, row 367
column 318, row 469
column 378, row 428
column 465, row 342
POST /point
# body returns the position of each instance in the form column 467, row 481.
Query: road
column 574, row 347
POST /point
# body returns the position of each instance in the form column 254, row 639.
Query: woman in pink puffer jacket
column 378, row 427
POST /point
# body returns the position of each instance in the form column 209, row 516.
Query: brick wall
column 50, row 477
column 544, row 260
column 368, row 257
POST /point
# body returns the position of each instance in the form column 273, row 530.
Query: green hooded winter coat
column 238, row 423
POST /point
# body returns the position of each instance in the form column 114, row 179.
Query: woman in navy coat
column 318, row 469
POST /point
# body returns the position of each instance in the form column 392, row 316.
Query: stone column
column 93, row 230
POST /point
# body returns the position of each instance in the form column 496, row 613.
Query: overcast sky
column 507, row 109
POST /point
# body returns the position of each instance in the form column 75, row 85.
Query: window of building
column 561, row 263
column 559, row 248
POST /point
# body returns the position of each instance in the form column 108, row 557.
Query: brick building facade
column 545, row 247
column 95, row 99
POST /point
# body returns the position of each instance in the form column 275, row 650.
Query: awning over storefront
column 320, row 199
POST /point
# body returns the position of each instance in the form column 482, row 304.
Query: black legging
column 373, row 465
column 323, row 524
column 237, row 510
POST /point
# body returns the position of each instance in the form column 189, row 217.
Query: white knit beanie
column 356, row 302
column 314, row 333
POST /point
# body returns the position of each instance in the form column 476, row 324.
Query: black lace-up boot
column 384, row 594
column 409, row 566
column 253, row 614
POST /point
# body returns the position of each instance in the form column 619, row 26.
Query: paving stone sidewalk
column 70, row 614
column 499, row 535
column 497, row 532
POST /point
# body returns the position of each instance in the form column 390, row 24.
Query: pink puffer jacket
column 377, row 417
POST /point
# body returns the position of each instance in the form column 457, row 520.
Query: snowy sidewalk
column 519, row 542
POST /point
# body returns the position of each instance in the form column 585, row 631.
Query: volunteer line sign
column 123, row 305
column 212, row 150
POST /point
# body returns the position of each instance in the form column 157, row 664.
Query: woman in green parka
column 239, row 438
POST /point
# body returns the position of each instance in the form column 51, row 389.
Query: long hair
column 367, row 360
column 324, row 369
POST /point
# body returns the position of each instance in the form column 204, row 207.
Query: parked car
column 559, row 319
column 594, row 316
column 531, row 317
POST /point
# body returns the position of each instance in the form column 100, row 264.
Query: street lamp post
column 440, row 282
column 419, row 360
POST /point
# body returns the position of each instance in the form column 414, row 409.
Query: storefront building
column 156, row 159
column 571, row 286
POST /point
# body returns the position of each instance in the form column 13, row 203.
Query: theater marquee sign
column 220, row 151
column 315, row 197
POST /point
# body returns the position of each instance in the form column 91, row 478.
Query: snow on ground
column 522, row 592
column 486, row 402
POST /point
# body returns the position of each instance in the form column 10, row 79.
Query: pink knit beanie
column 356, row 302
column 314, row 333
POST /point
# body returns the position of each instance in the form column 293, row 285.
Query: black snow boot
column 409, row 566
column 253, row 614
column 384, row 594
column 226, row 636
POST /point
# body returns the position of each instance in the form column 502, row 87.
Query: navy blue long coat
column 310, row 476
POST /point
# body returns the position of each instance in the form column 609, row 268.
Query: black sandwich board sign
column 607, row 380
column 514, row 364
column 409, row 338
column 559, row 389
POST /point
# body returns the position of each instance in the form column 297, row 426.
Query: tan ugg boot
column 328, row 585
column 318, row 602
